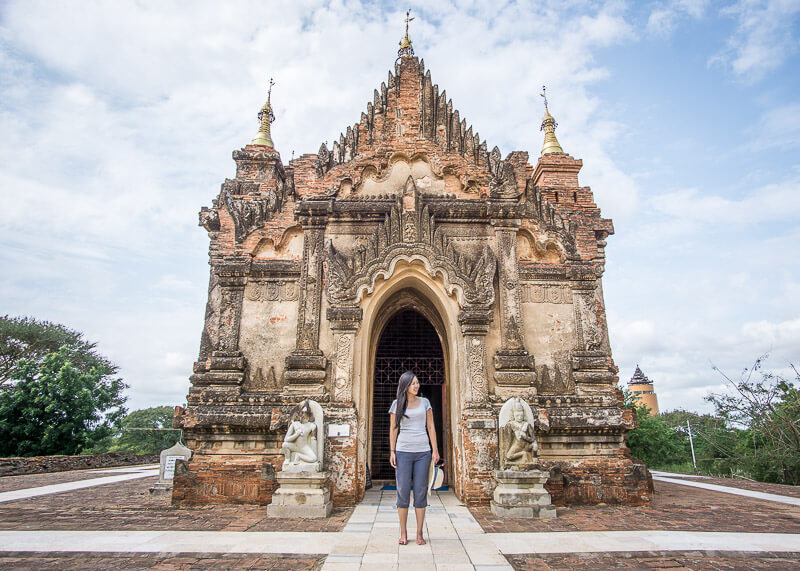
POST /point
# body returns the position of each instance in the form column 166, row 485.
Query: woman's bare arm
column 392, row 440
column 432, row 436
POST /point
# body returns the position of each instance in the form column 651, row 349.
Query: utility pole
column 691, row 443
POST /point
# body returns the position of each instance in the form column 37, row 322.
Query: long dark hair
column 402, row 397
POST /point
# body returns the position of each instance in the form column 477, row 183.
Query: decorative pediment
column 434, row 117
column 543, row 212
column 410, row 236
column 251, row 204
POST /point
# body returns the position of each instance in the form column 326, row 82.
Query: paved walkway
column 369, row 538
column 455, row 540
column 726, row 489
column 132, row 473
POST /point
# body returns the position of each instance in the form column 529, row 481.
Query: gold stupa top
column 265, row 117
column 406, row 49
column 549, row 125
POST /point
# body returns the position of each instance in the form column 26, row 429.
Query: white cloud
column 765, row 36
column 691, row 209
column 665, row 16
column 777, row 128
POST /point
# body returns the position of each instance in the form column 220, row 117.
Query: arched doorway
column 408, row 342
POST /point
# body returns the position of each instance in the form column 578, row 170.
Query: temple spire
column 406, row 49
column 265, row 117
column 549, row 125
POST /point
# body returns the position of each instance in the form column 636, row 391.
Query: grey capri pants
column 412, row 465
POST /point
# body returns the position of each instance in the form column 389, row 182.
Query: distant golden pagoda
column 642, row 390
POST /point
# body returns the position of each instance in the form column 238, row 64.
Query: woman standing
column 411, row 454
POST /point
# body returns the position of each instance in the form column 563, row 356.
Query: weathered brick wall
column 208, row 479
column 613, row 480
column 44, row 464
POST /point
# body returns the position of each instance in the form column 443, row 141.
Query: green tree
column 146, row 431
column 764, row 410
column 30, row 339
column 654, row 441
column 52, row 407
column 713, row 440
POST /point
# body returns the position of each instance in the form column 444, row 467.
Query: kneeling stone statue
column 303, row 490
column 301, row 448
column 520, row 484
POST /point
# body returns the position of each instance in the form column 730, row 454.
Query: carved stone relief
column 250, row 204
column 477, row 383
column 273, row 290
column 261, row 381
column 586, row 316
column 511, row 314
column 229, row 317
column 310, row 290
column 555, row 379
column 545, row 293
column 409, row 236
column 343, row 363
column 210, row 337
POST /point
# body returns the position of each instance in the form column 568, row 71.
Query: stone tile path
column 26, row 493
column 193, row 542
column 674, row 562
column 10, row 483
column 455, row 539
column 644, row 542
column 160, row 562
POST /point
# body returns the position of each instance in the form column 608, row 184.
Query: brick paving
column 92, row 561
column 675, row 508
column 129, row 506
column 672, row 562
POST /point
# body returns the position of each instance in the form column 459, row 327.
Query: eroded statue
column 518, row 445
column 303, row 443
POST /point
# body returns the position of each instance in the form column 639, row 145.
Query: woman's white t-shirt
column 413, row 436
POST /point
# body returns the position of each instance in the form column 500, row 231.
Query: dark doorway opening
column 408, row 342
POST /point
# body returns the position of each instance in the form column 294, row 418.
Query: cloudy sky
column 117, row 122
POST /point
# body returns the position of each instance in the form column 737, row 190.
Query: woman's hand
column 435, row 458
column 393, row 460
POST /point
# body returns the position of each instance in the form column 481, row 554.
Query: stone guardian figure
column 303, row 490
column 303, row 443
column 518, row 445
column 519, row 490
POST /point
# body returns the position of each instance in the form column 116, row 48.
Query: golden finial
column 406, row 49
column 265, row 117
column 549, row 125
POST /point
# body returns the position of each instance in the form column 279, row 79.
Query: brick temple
column 408, row 245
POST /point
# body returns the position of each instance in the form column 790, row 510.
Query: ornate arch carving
column 411, row 237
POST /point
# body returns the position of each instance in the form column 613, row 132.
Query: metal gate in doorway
column 408, row 343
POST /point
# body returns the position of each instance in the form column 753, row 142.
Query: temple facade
column 408, row 245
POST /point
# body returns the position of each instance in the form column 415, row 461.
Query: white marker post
column 691, row 443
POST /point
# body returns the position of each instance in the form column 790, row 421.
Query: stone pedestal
column 522, row 494
column 301, row 495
